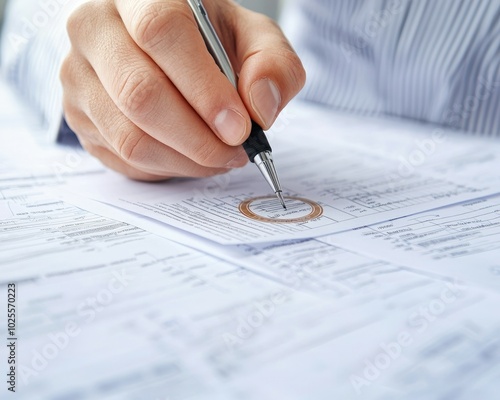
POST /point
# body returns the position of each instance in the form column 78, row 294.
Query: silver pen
column 256, row 146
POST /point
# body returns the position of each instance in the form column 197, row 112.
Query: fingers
column 107, row 134
column 111, row 160
column 271, row 73
column 143, row 93
column 168, row 33
column 97, row 149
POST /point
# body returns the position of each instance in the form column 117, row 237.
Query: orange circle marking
column 280, row 215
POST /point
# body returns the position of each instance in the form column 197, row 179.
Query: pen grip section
column 256, row 142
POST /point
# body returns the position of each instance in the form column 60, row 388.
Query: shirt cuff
column 66, row 136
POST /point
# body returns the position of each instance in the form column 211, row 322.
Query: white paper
column 107, row 309
column 337, row 354
column 354, row 185
column 462, row 241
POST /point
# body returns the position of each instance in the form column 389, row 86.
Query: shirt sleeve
column 34, row 43
column 431, row 61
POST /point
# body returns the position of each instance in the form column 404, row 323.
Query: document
column 330, row 186
column 108, row 309
column 462, row 241
column 112, row 311
column 109, row 305
column 156, row 319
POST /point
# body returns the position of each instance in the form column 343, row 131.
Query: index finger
column 167, row 32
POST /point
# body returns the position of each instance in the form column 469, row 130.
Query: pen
column 256, row 146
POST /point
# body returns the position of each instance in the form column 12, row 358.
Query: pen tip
column 281, row 199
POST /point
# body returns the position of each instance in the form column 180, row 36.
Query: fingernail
column 231, row 126
column 239, row 161
column 265, row 98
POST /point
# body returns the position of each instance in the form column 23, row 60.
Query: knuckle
column 204, row 97
column 65, row 71
column 80, row 126
column 137, row 93
column 158, row 23
column 71, row 71
column 295, row 69
column 130, row 147
column 79, row 20
column 74, row 118
column 71, row 116
column 265, row 20
column 298, row 71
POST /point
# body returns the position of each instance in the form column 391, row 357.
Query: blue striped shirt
column 431, row 60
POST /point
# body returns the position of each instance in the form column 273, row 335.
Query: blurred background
column 269, row 7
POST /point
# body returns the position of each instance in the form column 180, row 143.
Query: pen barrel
column 256, row 142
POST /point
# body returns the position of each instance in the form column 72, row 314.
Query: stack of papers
column 128, row 290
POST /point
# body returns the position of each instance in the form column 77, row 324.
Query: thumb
column 271, row 73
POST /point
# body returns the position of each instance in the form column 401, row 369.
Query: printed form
column 155, row 319
column 347, row 186
column 462, row 241
column 110, row 310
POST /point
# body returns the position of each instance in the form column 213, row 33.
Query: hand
column 144, row 95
